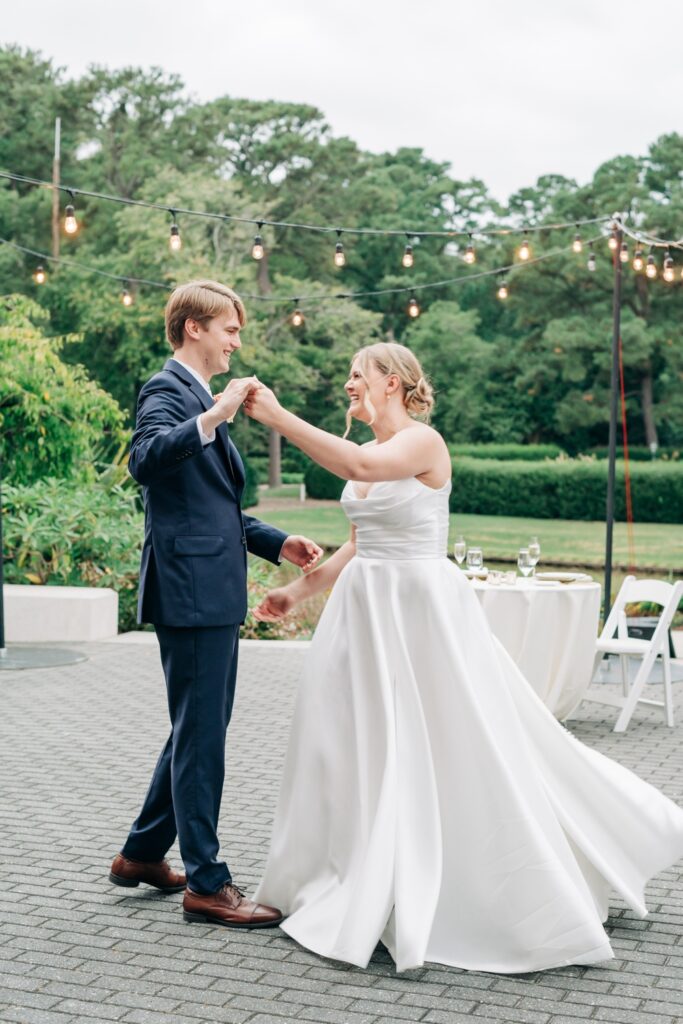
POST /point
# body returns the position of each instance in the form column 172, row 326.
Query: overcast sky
column 502, row 91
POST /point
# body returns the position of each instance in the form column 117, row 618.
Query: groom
column 193, row 589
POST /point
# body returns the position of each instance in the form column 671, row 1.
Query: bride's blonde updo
column 391, row 358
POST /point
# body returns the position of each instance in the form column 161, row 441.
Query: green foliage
column 507, row 452
column 253, row 478
column 566, row 489
column 54, row 420
column 64, row 533
column 321, row 484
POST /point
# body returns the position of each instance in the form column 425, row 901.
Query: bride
column 429, row 799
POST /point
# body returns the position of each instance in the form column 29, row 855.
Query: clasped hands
column 259, row 401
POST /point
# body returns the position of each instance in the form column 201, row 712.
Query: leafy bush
column 321, row 484
column 253, row 479
column 640, row 453
column 54, row 421
column 262, row 577
column 507, row 452
column 566, row 489
column 59, row 533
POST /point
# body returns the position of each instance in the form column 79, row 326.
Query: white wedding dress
column 429, row 799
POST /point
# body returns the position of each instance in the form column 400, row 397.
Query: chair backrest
column 632, row 590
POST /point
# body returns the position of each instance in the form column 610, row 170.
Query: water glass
column 460, row 549
column 475, row 559
column 524, row 561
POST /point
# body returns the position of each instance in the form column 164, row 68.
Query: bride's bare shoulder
column 427, row 433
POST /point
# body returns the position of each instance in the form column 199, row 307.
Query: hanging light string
column 320, row 228
column 127, row 279
column 644, row 238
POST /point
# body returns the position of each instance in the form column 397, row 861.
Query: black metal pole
column 2, row 578
column 614, row 399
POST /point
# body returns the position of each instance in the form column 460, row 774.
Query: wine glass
column 534, row 552
column 524, row 561
column 460, row 549
column 475, row 559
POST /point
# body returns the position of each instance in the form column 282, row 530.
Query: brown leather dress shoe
column 160, row 874
column 228, row 907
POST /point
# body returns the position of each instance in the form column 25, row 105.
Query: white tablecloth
column 550, row 632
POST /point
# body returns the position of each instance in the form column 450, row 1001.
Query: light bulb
column 126, row 297
column 39, row 275
column 502, row 292
column 175, row 241
column 613, row 241
column 257, row 250
column 70, row 222
column 413, row 308
column 638, row 261
column 577, row 244
column 339, row 257
column 623, row 252
column 591, row 264
column 297, row 318
column 651, row 268
column 408, row 259
column 669, row 272
column 470, row 255
column 524, row 249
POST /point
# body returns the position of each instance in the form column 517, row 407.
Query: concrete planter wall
column 59, row 614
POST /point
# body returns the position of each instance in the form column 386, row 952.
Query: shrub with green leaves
column 321, row 484
column 507, row 452
column 54, row 421
column 566, row 489
column 63, row 533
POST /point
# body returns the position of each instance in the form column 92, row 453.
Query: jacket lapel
column 206, row 402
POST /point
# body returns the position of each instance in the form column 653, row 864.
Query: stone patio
column 77, row 747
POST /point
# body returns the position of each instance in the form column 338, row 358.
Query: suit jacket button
column 244, row 540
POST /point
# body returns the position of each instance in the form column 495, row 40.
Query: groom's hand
column 302, row 552
column 228, row 402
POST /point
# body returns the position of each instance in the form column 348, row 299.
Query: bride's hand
column 262, row 405
column 274, row 606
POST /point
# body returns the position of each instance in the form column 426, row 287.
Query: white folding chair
column 668, row 596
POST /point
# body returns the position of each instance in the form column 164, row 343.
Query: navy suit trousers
column 184, row 797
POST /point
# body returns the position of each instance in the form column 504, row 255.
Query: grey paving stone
column 86, row 952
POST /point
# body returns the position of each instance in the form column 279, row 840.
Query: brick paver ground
column 77, row 746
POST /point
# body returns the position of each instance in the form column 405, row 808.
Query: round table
column 549, row 630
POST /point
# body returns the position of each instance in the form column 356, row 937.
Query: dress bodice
column 399, row 519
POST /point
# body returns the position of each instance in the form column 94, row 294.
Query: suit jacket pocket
column 195, row 545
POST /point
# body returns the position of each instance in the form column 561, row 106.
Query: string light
column 638, row 260
column 651, row 268
column 577, row 244
column 413, row 308
column 524, row 249
column 503, row 290
column 297, row 318
column 39, row 275
column 408, row 258
column 623, row 252
column 126, row 297
column 669, row 272
column 613, row 241
column 470, row 255
column 70, row 222
column 339, row 257
column 175, row 241
column 591, row 263
column 257, row 250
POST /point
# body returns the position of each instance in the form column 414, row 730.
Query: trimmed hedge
column 566, row 489
column 507, row 452
column 640, row 453
column 252, row 480
column 321, row 484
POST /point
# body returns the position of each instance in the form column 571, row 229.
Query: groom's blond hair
column 200, row 301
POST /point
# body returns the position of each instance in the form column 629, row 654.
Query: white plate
column 562, row 577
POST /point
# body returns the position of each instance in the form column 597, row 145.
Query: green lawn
column 657, row 546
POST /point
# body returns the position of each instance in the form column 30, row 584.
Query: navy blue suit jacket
column 194, row 556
